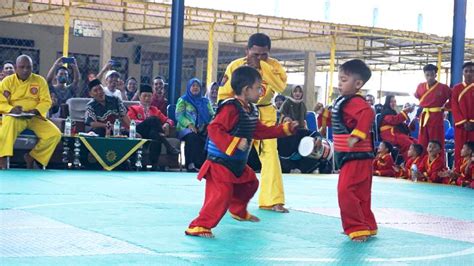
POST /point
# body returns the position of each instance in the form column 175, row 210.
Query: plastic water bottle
column 414, row 173
column 133, row 129
column 117, row 127
column 68, row 126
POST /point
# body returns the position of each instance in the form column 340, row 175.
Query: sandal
column 249, row 218
column 200, row 232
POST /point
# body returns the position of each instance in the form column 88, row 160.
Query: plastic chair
column 311, row 121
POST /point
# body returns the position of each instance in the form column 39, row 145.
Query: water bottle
column 414, row 173
column 133, row 129
column 117, row 127
column 68, row 126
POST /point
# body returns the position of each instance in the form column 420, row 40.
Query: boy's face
column 411, row 151
column 158, row 86
column 252, row 93
column 430, row 76
column 468, row 73
column 145, row 98
column 382, row 148
column 349, row 84
column 465, row 151
column 433, row 149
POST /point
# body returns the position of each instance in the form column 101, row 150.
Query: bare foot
column 30, row 162
column 249, row 218
column 276, row 208
column 360, row 239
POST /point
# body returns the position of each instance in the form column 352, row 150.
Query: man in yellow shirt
column 25, row 92
column 272, row 195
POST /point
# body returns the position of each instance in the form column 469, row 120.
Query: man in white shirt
column 112, row 79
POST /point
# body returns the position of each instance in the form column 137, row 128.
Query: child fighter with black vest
column 352, row 119
column 230, row 182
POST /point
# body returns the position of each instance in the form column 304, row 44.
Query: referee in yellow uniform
column 272, row 196
column 26, row 92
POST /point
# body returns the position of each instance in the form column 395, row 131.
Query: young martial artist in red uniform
column 352, row 119
column 414, row 158
column 383, row 162
column 433, row 165
column 433, row 96
column 230, row 182
column 462, row 174
column 462, row 106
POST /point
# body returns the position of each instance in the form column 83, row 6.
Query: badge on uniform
column 34, row 90
column 6, row 94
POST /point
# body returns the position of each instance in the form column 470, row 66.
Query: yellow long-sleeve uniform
column 30, row 94
column 274, row 80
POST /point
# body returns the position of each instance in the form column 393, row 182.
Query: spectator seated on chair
column 26, row 93
column 103, row 110
column 152, row 124
column 383, row 162
column 193, row 113
column 294, row 107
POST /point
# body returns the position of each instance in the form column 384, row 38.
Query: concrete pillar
column 199, row 68
column 105, row 48
column 309, row 76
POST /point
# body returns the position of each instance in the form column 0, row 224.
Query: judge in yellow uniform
column 272, row 196
column 25, row 92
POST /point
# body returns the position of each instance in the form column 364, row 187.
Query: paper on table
column 21, row 115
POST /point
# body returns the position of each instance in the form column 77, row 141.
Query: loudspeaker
column 137, row 54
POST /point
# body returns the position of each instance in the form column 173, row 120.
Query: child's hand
column 351, row 141
column 396, row 168
column 243, row 145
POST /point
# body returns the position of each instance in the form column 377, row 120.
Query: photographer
column 58, row 79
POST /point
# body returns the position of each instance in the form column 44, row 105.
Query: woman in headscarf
column 193, row 114
column 211, row 94
column 294, row 107
column 393, row 128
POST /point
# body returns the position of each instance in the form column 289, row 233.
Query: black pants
column 152, row 128
column 194, row 149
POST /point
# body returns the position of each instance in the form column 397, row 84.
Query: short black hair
column 8, row 62
column 92, row 84
column 418, row 148
column 61, row 68
column 259, row 39
column 430, row 67
column 130, row 78
column 244, row 76
column 159, row 77
column 357, row 67
column 145, row 88
column 435, row 142
column 388, row 145
column 467, row 64
column 470, row 145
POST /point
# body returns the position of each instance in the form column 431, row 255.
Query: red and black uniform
column 383, row 165
column 432, row 99
column 405, row 171
column 462, row 106
column 230, row 182
column 394, row 130
column 465, row 173
column 353, row 117
column 431, row 168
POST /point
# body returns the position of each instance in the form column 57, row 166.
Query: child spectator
column 433, row 164
column 414, row 158
column 383, row 162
